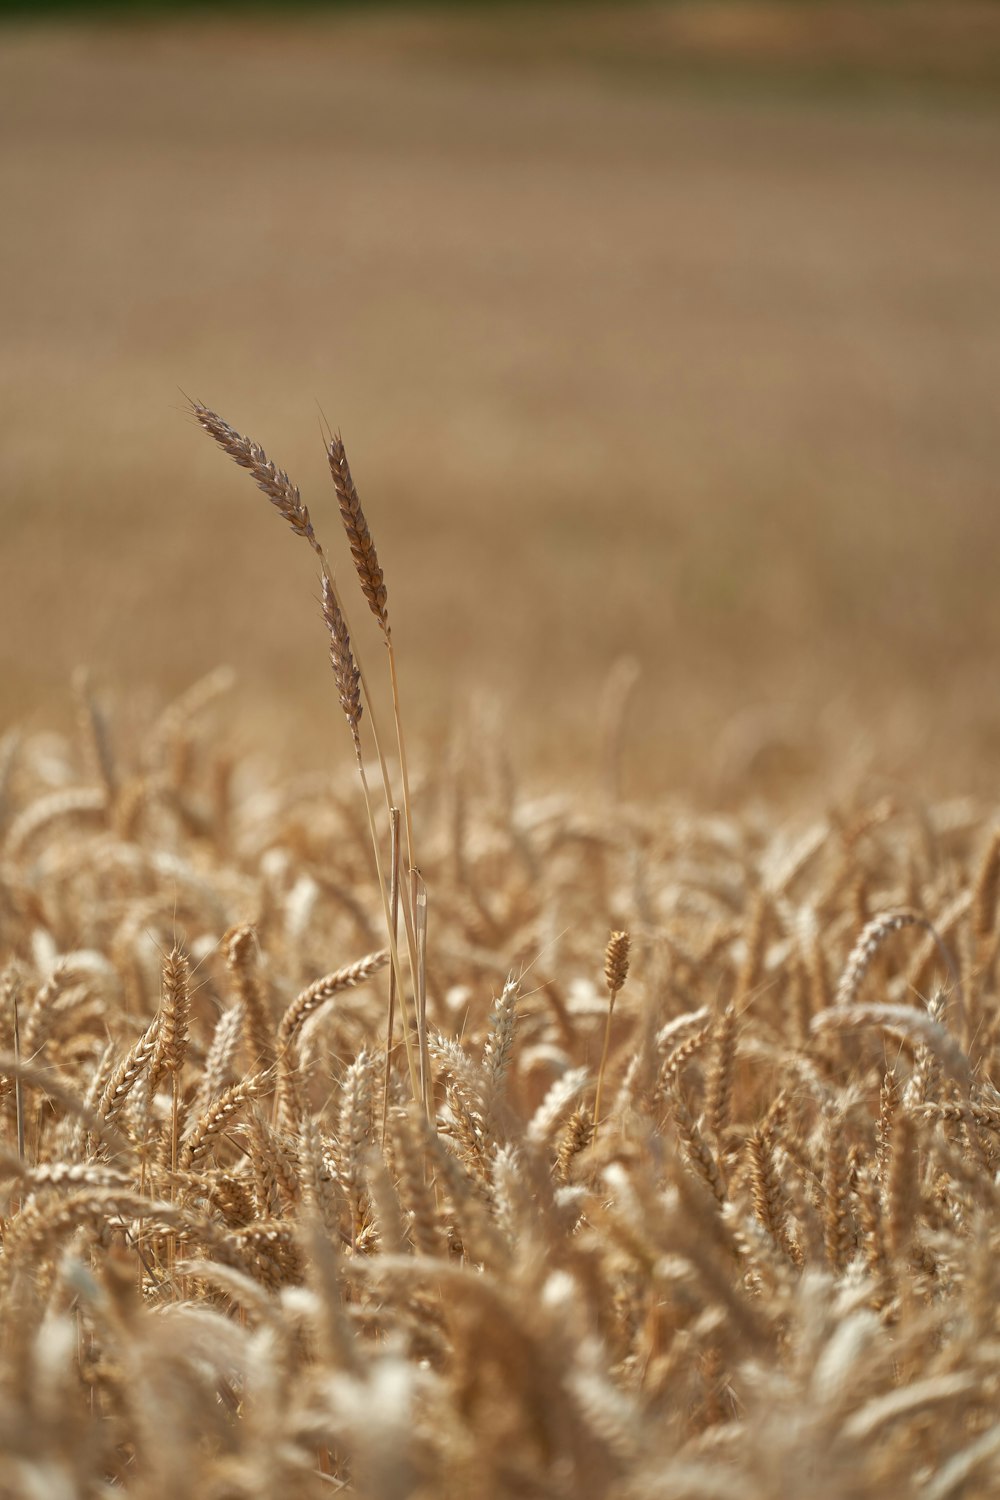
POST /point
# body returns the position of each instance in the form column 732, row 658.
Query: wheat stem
column 341, row 640
column 394, row 915
column 393, row 950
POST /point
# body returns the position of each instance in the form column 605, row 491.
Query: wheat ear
column 171, row 1046
column 372, row 582
column 306, row 1004
column 284, row 495
column 275, row 483
column 616, row 956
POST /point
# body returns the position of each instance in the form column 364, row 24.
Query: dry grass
column 242, row 1257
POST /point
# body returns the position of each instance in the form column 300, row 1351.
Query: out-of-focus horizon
column 663, row 332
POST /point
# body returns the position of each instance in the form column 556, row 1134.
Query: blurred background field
column 660, row 333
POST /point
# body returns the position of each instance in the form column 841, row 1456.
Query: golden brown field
column 665, row 346
column 702, row 375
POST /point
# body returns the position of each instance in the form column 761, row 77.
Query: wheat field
column 674, row 1174
column 555, row 1061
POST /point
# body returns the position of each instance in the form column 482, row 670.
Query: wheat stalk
column 347, row 679
column 616, row 962
column 373, row 587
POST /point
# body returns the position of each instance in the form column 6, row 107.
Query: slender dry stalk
column 350, row 681
column 394, row 917
column 419, row 906
column 347, row 678
column 12, row 994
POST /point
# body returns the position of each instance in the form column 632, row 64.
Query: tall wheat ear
column 349, row 676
